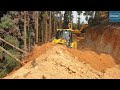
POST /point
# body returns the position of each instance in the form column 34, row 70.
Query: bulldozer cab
column 65, row 37
column 64, row 34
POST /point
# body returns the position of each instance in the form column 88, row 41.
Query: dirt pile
column 99, row 62
column 59, row 62
column 104, row 39
column 37, row 51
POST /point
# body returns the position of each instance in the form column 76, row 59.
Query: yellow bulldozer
column 78, row 32
column 65, row 37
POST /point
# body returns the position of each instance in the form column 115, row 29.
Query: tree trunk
column 29, row 46
column 10, row 54
column 46, row 31
column 78, row 27
column 42, row 33
column 2, row 53
column 25, row 48
column 43, row 28
column 36, row 25
column 13, row 46
column 54, row 28
column 60, row 19
column 50, row 31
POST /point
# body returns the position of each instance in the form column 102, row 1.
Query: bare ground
column 59, row 62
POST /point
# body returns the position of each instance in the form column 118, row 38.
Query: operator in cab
column 66, row 36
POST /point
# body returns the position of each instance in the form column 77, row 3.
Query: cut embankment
column 105, row 39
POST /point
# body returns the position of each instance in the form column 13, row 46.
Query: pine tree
column 67, row 18
column 79, row 13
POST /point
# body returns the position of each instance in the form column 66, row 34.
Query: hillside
column 60, row 63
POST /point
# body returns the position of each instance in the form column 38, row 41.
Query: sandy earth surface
column 51, row 61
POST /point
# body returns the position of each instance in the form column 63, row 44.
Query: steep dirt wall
column 104, row 39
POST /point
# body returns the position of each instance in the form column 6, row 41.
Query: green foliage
column 86, row 18
column 67, row 18
column 9, row 59
column 13, row 13
column 12, row 40
column 79, row 12
column 6, row 22
column 3, row 73
column 9, row 64
column 101, row 17
column 88, row 13
column 74, row 26
column 90, row 22
column 70, row 15
column 45, row 15
column 78, row 26
column 96, row 20
column 0, row 53
column 82, row 23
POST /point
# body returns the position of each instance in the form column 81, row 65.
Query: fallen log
column 11, row 55
column 13, row 46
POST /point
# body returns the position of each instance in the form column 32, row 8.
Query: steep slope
column 104, row 39
column 58, row 62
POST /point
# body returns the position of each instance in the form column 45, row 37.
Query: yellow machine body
column 63, row 41
column 79, row 31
